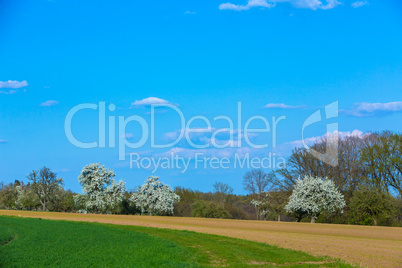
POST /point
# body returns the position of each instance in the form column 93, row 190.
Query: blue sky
column 202, row 56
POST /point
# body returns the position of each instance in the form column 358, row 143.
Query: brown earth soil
column 364, row 245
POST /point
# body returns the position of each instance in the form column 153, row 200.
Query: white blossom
column 99, row 188
column 256, row 203
column 155, row 197
column 20, row 195
column 313, row 195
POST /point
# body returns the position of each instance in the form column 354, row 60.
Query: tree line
column 364, row 188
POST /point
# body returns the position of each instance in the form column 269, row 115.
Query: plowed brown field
column 365, row 245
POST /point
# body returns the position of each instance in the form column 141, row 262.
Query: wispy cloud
column 170, row 136
column 128, row 136
column 149, row 101
column 188, row 12
column 313, row 4
column 49, row 103
column 310, row 4
column 366, row 109
column 210, row 152
column 8, row 92
column 359, row 4
column 250, row 4
column 208, row 136
column 282, row 106
column 286, row 148
column 3, row 141
column 341, row 134
column 13, row 84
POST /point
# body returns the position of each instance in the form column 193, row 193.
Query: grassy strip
column 66, row 243
column 219, row 250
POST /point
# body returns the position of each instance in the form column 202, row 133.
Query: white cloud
column 207, row 136
column 171, row 136
column 13, row 84
column 250, row 4
column 341, row 134
column 149, row 101
column 49, row 103
column 313, row 4
column 310, row 4
column 210, row 152
column 366, row 109
column 8, row 92
column 192, row 132
column 359, row 4
column 286, row 148
column 282, row 106
column 188, row 12
column 128, row 136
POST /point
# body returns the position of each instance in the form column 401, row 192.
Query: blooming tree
column 26, row 198
column 258, row 208
column 155, row 197
column 100, row 189
column 312, row 195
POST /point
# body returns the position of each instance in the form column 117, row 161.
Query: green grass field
column 36, row 242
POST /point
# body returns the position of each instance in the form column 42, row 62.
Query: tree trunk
column 43, row 204
column 279, row 217
column 374, row 221
column 313, row 219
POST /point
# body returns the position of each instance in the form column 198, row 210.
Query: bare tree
column 257, row 181
column 222, row 192
column 44, row 183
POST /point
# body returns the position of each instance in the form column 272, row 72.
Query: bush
column 206, row 209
